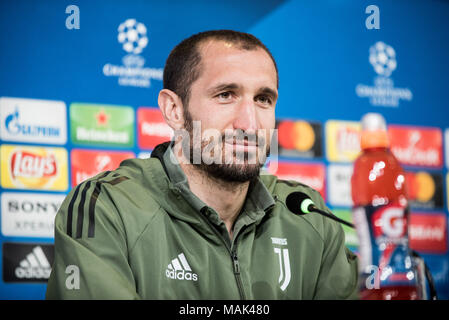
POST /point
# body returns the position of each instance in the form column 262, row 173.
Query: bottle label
column 383, row 237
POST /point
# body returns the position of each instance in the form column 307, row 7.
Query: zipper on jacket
column 235, row 261
column 236, row 264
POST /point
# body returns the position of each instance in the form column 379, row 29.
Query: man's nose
column 245, row 118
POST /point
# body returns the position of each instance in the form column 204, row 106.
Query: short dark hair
column 183, row 65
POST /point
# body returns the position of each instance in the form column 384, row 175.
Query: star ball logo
column 133, row 37
column 382, row 57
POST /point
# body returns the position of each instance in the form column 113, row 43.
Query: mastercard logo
column 421, row 186
column 296, row 135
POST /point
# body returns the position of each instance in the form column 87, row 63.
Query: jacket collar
column 171, row 180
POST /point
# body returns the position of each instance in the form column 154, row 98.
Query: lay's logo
column 342, row 140
column 30, row 165
column 34, row 168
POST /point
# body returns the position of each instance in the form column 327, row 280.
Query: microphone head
column 298, row 203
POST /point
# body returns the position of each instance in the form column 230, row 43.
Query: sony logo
column 28, row 206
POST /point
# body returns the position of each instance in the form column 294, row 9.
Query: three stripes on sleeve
column 88, row 192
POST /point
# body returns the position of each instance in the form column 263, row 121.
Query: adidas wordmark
column 179, row 269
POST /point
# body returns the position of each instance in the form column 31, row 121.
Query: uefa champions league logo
column 382, row 57
column 133, row 38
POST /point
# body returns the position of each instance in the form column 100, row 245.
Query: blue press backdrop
column 321, row 48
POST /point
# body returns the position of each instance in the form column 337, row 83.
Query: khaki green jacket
column 139, row 233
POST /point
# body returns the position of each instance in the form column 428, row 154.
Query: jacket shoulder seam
column 147, row 225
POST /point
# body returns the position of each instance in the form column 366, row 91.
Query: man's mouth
column 244, row 145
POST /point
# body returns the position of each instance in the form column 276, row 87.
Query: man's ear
column 172, row 108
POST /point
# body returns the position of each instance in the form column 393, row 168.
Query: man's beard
column 243, row 166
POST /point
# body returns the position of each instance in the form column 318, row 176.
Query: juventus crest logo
column 284, row 261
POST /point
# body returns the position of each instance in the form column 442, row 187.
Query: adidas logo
column 179, row 269
column 34, row 266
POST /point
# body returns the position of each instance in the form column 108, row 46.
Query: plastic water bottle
column 380, row 214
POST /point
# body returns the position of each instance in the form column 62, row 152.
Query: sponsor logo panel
column 342, row 140
column 102, row 125
column 425, row 189
column 351, row 239
column 88, row 163
column 428, row 232
column 39, row 168
column 152, row 128
column 27, row 262
column 299, row 138
column 417, row 146
column 33, row 121
column 311, row 174
column 339, row 184
column 29, row 214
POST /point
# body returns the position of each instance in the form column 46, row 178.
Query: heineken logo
column 107, row 125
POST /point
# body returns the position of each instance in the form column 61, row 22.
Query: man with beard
column 198, row 220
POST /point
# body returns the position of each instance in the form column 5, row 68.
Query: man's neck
column 225, row 198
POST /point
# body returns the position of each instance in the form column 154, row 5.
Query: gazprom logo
column 35, row 121
column 13, row 126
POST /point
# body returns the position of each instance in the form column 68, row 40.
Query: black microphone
column 300, row 203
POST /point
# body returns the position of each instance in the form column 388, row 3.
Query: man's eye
column 224, row 95
column 263, row 99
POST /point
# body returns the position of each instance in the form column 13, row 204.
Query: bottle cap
column 374, row 131
column 373, row 121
